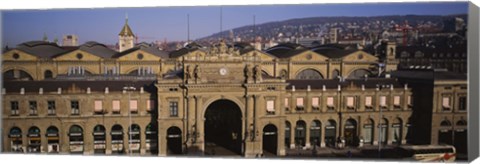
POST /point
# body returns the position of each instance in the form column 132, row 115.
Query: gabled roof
column 40, row 49
column 286, row 50
column 332, row 52
column 94, row 48
column 152, row 49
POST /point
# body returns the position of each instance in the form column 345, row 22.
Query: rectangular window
column 315, row 103
column 446, row 103
column 173, row 108
column 368, row 102
column 270, row 107
column 14, row 108
column 150, row 105
column 383, row 101
column 300, row 103
column 330, row 104
column 133, row 106
column 396, row 101
column 51, row 107
column 98, row 106
column 75, row 106
column 350, row 102
column 462, row 103
column 33, row 107
column 409, row 101
column 116, row 106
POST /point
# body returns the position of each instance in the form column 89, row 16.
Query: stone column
column 44, row 141
column 307, row 136
column 143, row 137
column 322, row 135
column 126, row 145
column 64, row 138
column 87, row 140
column 108, row 139
column 292, row 136
column 199, row 122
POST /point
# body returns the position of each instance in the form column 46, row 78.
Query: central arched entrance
column 223, row 128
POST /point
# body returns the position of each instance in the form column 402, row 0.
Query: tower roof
column 126, row 30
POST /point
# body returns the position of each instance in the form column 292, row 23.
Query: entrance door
column 223, row 128
column 269, row 139
column 174, row 140
column 330, row 133
column 461, row 141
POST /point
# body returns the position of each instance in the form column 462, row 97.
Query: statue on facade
column 222, row 47
column 196, row 72
column 246, row 72
column 257, row 73
column 188, row 73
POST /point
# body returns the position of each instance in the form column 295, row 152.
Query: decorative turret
column 125, row 37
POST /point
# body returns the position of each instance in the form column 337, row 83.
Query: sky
column 170, row 23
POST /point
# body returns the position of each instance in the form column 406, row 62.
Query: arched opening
column 48, row 74
column 16, row 74
column 34, row 141
column 460, row 138
column 445, row 133
column 223, row 128
column 76, row 139
column 151, row 144
column 330, row 133
column 335, row 74
column 397, row 131
column 359, row 73
column 134, row 139
column 350, row 133
column 315, row 133
column 117, row 139
column 15, row 136
column 53, row 139
column 288, row 132
column 99, row 135
column 368, row 132
column 270, row 138
column 300, row 133
column 309, row 74
column 174, row 140
column 383, row 131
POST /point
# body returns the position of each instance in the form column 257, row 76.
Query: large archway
column 359, row 74
column 351, row 132
column 270, row 138
column 16, row 74
column 223, row 128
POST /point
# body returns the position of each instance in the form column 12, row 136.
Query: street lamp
column 127, row 89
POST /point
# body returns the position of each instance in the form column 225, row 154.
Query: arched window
column 309, row 74
column 315, row 133
column 117, row 139
column 330, row 133
column 383, row 130
column 300, row 133
column 53, row 139
column 134, row 138
column 335, row 74
column 396, row 132
column 48, row 74
column 34, row 141
column 99, row 139
column 351, row 132
column 16, row 139
column 151, row 139
column 445, row 123
column 368, row 131
column 359, row 73
column 76, row 139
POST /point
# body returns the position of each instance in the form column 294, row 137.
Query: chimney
column 293, row 88
column 391, row 87
column 3, row 91
column 40, row 91
column 339, row 88
column 88, row 90
column 405, row 86
column 141, row 89
column 308, row 88
column 106, row 90
column 59, row 91
column 324, row 88
column 22, row 91
column 363, row 87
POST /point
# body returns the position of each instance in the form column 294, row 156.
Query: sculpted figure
column 246, row 72
column 196, row 72
column 257, row 73
column 188, row 73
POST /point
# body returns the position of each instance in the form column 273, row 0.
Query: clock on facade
column 223, row 71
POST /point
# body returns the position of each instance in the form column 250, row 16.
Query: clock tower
column 125, row 37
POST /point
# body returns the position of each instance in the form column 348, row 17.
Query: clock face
column 223, row 71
